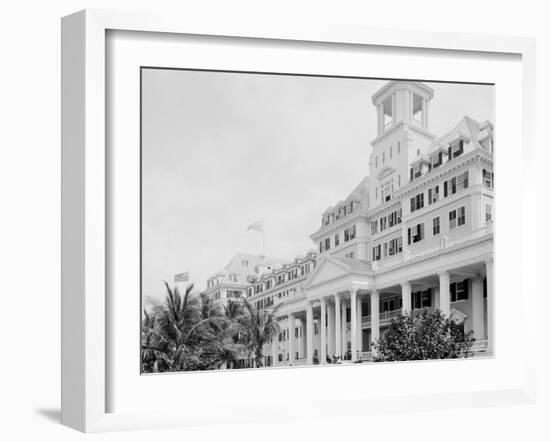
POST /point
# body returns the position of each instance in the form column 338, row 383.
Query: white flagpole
column 263, row 240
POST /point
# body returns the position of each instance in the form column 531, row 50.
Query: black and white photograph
column 296, row 220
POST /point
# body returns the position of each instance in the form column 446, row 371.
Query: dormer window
column 416, row 172
column 456, row 149
column 437, row 159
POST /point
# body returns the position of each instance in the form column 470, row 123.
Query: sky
column 223, row 150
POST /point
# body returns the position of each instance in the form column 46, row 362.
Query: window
column 383, row 157
column 459, row 291
column 433, row 195
column 488, row 178
column 399, row 147
column 387, row 111
column 415, row 233
column 395, row 246
column 376, row 193
column 488, row 212
column 453, row 185
column 462, row 181
column 461, row 216
column 391, row 152
column 452, row 219
column 389, row 305
column 457, row 217
column 458, row 148
column 383, row 223
column 417, row 108
column 445, row 189
column 395, row 217
column 315, row 328
column 417, row 202
column 437, row 160
column 376, row 162
column 321, row 247
column 245, row 263
column 373, row 229
column 398, row 180
column 436, row 229
column 376, row 253
column 336, row 240
column 387, row 190
column 327, row 243
column 349, row 233
column 421, row 299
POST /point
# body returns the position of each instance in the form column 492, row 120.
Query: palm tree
column 183, row 333
column 259, row 326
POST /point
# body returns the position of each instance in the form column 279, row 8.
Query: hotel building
column 416, row 233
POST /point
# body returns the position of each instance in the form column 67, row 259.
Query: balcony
column 384, row 316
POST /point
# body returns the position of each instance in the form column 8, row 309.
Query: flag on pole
column 258, row 226
column 181, row 277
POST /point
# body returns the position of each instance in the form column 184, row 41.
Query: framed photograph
column 255, row 209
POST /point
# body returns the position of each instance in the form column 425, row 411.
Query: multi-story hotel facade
column 416, row 233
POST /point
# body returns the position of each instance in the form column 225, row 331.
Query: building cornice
column 488, row 238
column 407, row 127
column 338, row 225
column 447, row 168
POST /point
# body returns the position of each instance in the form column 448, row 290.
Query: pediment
column 328, row 269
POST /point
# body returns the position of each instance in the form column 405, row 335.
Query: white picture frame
column 85, row 201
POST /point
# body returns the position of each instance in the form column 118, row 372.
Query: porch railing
column 384, row 315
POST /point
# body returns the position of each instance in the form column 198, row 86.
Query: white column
column 444, row 293
column 275, row 350
column 375, row 315
column 490, row 306
column 323, row 331
column 343, row 311
column 303, row 339
column 309, row 333
column 330, row 326
column 353, row 325
column 359, row 309
column 406, row 295
column 477, row 308
column 291, row 338
column 337, row 326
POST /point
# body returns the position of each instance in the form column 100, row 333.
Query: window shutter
column 445, row 189
column 411, row 173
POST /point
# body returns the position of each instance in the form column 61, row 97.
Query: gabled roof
column 468, row 129
column 331, row 268
column 236, row 273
